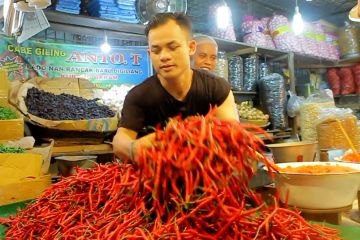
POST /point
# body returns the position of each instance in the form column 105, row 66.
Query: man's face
column 170, row 50
column 205, row 56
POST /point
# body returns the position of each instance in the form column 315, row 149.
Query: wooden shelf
column 352, row 60
column 82, row 150
column 348, row 101
column 135, row 32
column 305, row 61
column 87, row 25
column 243, row 92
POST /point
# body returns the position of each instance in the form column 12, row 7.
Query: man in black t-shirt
column 174, row 89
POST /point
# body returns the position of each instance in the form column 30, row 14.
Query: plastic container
column 318, row 191
column 66, row 164
column 293, row 151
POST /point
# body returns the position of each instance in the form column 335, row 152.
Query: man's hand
column 143, row 142
column 126, row 146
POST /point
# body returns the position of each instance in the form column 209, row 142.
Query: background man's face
column 205, row 56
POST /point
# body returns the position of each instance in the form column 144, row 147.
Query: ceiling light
column 298, row 22
column 223, row 15
column 105, row 47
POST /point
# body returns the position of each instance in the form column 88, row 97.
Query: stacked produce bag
column 332, row 46
column 119, row 10
column 320, row 39
column 308, row 41
column 257, row 32
column 284, row 38
column 68, row 6
column 276, row 32
column 345, row 80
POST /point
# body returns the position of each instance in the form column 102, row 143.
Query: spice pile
column 5, row 149
column 247, row 111
column 192, row 184
column 7, row 114
column 64, row 106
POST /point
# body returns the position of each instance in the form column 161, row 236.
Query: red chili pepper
column 192, row 184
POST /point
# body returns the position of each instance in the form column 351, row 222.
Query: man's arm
column 227, row 110
column 125, row 143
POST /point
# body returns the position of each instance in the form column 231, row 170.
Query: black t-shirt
column 149, row 104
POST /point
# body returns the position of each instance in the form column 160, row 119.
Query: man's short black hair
column 161, row 18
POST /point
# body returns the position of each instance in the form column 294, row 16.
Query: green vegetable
column 4, row 149
column 7, row 114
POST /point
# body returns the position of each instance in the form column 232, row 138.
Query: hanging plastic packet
column 294, row 104
column 273, row 93
column 236, row 73
column 251, row 72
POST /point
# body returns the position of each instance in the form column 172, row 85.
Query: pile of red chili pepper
column 192, row 184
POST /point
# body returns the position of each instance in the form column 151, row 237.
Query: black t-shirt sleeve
column 219, row 89
column 132, row 114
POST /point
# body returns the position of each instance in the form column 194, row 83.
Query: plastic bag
column 334, row 80
column 330, row 134
column 293, row 105
column 272, row 90
column 356, row 72
column 309, row 112
column 251, row 72
column 347, row 81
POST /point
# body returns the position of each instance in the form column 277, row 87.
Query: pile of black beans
column 64, row 106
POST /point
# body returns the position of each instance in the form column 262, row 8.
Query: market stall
column 290, row 169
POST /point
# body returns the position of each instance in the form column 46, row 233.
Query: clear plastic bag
column 236, row 73
column 272, row 90
column 293, row 105
column 330, row 134
column 309, row 112
column 251, row 72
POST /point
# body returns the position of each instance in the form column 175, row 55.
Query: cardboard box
column 22, row 190
column 4, row 83
column 21, row 177
column 12, row 129
column 44, row 151
column 4, row 88
column 15, row 166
